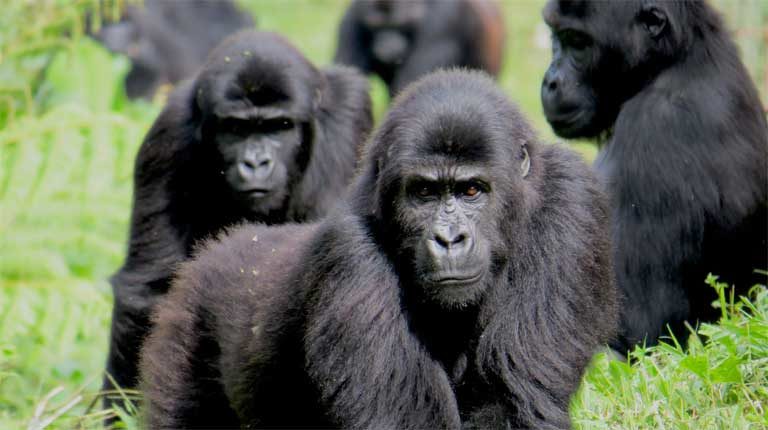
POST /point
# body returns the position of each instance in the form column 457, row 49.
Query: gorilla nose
column 448, row 239
column 254, row 166
column 550, row 84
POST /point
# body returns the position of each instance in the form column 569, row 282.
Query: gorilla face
column 257, row 103
column 258, row 154
column 444, row 206
column 443, row 183
column 602, row 54
column 393, row 25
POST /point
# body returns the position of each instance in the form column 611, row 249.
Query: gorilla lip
column 567, row 125
column 451, row 280
column 256, row 192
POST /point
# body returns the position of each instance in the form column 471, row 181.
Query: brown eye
column 423, row 190
column 471, row 191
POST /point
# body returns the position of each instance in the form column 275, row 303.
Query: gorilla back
column 466, row 282
column 260, row 135
column 686, row 159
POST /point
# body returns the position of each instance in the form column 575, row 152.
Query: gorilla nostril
column 552, row 85
column 448, row 242
column 265, row 163
column 441, row 241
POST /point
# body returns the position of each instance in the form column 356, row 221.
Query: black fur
column 685, row 156
column 180, row 193
column 167, row 41
column 317, row 325
column 402, row 40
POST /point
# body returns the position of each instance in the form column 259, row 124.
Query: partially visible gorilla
column 401, row 40
column 259, row 135
column 167, row 41
column 686, row 155
column 465, row 283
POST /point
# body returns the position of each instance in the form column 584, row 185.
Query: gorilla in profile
column 260, row 135
column 685, row 154
column 466, row 282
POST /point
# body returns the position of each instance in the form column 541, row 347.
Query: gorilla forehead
column 591, row 15
column 453, row 115
column 257, row 69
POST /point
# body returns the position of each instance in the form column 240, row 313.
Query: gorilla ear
column 653, row 19
column 525, row 165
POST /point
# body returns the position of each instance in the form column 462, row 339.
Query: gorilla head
column 603, row 53
column 259, row 117
column 393, row 25
column 443, row 181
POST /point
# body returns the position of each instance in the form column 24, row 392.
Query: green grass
column 719, row 382
column 67, row 141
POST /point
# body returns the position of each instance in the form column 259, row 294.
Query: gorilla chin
column 261, row 200
column 572, row 122
column 455, row 290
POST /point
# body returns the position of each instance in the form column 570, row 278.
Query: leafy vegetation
column 68, row 136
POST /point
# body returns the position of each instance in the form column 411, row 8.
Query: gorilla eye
column 276, row 125
column 470, row 190
column 575, row 39
column 237, row 127
column 424, row 190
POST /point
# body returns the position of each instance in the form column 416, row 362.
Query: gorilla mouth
column 566, row 119
column 456, row 279
column 256, row 192
column 573, row 123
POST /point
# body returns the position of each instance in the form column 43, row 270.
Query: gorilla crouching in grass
column 260, row 135
column 686, row 154
column 465, row 283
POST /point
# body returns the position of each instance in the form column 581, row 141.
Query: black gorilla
column 466, row 282
column 167, row 41
column 259, row 135
column 402, row 40
column 686, row 154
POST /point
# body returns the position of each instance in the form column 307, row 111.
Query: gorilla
column 684, row 151
column 401, row 40
column 260, row 135
column 167, row 41
column 466, row 281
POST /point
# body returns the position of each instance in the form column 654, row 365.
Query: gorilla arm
column 155, row 245
column 370, row 369
column 533, row 349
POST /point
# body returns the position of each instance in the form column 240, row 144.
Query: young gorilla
column 686, row 159
column 402, row 40
column 467, row 282
column 259, row 135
